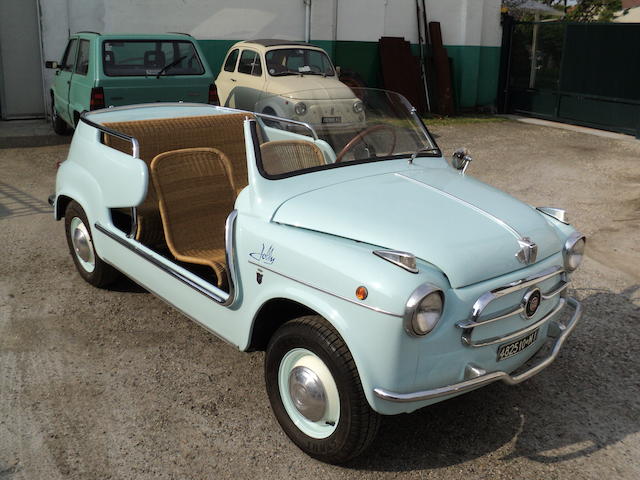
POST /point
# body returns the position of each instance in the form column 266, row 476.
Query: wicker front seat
column 284, row 156
column 195, row 195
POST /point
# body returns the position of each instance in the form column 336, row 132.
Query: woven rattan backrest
column 195, row 196
column 283, row 156
column 224, row 132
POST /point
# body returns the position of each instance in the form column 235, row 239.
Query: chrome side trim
column 134, row 223
column 131, row 245
column 466, row 337
column 482, row 212
column 286, row 120
column 229, row 253
column 562, row 331
column 375, row 309
column 135, row 146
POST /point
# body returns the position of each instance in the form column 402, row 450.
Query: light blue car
column 378, row 277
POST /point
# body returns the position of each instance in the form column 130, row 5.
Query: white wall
column 463, row 22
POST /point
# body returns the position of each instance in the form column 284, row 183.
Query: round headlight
column 574, row 251
column 300, row 108
column 423, row 310
column 358, row 107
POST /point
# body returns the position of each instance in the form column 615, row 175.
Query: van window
column 82, row 63
column 230, row 64
column 69, row 55
column 250, row 63
column 128, row 58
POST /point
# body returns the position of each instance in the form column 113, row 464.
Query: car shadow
column 586, row 401
column 126, row 285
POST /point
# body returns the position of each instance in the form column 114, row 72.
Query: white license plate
column 510, row 349
column 331, row 119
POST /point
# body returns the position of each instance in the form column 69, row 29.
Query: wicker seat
column 224, row 132
column 284, row 156
column 195, row 195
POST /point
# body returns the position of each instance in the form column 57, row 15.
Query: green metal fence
column 587, row 74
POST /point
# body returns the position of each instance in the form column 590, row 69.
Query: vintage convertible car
column 378, row 277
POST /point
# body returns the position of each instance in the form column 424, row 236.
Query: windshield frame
column 310, row 48
column 253, row 126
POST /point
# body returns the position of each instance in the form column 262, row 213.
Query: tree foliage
column 577, row 11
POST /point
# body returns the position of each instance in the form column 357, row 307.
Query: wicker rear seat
column 223, row 132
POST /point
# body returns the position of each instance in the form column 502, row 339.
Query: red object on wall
column 401, row 70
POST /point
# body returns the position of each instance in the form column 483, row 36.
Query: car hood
column 464, row 227
column 309, row 87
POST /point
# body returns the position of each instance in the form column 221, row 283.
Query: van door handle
column 232, row 79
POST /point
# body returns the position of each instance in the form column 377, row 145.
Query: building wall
column 471, row 30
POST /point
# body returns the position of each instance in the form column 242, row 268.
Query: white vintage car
column 378, row 277
column 287, row 79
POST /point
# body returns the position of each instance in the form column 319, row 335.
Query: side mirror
column 461, row 159
column 50, row 64
column 338, row 70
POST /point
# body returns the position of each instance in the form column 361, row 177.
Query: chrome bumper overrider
column 556, row 330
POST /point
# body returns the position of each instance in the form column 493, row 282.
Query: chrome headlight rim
column 358, row 106
column 568, row 250
column 300, row 108
column 416, row 299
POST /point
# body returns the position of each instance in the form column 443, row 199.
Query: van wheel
column 90, row 266
column 57, row 123
column 315, row 391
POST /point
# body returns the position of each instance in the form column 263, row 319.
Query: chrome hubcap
column 307, row 393
column 82, row 245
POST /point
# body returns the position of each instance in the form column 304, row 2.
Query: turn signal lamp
column 402, row 259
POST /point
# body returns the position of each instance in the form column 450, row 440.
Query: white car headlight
column 423, row 310
column 358, row 106
column 573, row 251
column 300, row 108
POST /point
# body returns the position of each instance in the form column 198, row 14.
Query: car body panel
column 412, row 215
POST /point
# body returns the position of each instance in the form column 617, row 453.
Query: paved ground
column 114, row 384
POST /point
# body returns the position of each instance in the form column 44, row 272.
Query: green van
column 98, row 71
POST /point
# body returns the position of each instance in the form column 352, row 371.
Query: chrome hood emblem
column 528, row 251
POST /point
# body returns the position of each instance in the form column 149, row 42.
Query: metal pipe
column 307, row 20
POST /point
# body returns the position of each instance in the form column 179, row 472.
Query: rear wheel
column 80, row 241
column 57, row 123
column 315, row 391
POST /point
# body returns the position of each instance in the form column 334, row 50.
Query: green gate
column 586, row 74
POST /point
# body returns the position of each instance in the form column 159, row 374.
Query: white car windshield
column 298, row 61
column 328, row 128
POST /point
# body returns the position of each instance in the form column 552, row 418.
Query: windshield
column 150, row 57
column 298, row 61
column 329, row 128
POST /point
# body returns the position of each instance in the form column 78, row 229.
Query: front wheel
column 90, row 266
column 315, row 391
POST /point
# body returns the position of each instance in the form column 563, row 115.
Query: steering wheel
column 360, row 136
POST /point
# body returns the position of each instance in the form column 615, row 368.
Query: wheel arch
column 270, row 316
column 62, row 202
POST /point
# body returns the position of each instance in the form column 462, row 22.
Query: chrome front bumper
column 556, row 330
